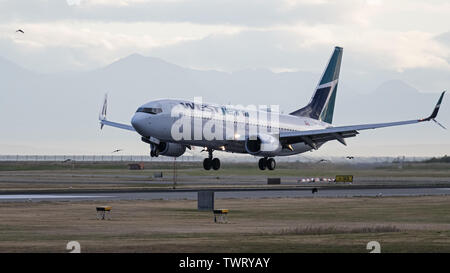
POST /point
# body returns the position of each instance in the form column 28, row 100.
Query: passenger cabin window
column 152, row 111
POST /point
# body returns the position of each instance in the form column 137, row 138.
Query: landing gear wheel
column 207, row 164
column 271, row 164
column 154, row 150
column 262, row 163
column 216, row 164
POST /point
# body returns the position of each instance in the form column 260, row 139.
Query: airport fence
column 200, row 157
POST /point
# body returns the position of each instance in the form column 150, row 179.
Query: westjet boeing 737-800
column 170, row 126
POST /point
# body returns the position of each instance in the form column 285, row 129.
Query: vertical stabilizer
column 321, row 106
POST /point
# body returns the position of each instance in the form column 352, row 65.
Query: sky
column 383, row 40
column 281, row 35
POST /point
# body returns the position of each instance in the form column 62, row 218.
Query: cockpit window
column 153, row 111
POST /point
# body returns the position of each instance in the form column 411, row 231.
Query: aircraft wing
column 116, row 124
column 104, row 121
column 311, row 137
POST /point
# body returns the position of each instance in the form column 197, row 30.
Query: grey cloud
column 248, row 49
column 50, row 58
column 443, row 38
column 252, row 13
column 278, row 49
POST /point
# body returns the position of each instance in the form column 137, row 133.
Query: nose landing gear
column 211, row 162
column 154, row 150
column 268, row 163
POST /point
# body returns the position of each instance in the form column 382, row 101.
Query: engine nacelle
column 171, row 149
column 266, row 145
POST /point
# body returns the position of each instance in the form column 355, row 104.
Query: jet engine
column 265, row 145
column 170, row 149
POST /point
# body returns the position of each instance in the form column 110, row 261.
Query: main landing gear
column 268, row 163
column 211, row 162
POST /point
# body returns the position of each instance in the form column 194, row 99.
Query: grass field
column 229, row 168
column 401, row 224
column 114, row 175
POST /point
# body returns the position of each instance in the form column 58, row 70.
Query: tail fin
column 321, row 106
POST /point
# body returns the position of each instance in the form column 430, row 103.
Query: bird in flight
column 350, row 157
column 115, row 151
column 19, row 30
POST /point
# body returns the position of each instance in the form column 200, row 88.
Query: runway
column 229, row 193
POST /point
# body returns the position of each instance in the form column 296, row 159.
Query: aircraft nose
column 138, row 122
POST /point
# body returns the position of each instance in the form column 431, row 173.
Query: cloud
column 401, row 14
column 248, row 13
column 297, row 46
column 73, row 2
column 122, row 3
column 284, row 35
column 72, row 45
column 443, row 38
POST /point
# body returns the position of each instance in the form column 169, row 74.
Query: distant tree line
column 444, row 159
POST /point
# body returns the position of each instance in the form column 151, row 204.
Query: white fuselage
column 161, row 125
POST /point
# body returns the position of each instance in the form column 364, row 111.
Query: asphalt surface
column 229, row 193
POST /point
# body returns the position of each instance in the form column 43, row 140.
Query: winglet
column 102, row 115
column 436, row 109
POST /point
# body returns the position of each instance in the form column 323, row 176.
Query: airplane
column 305, row 129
